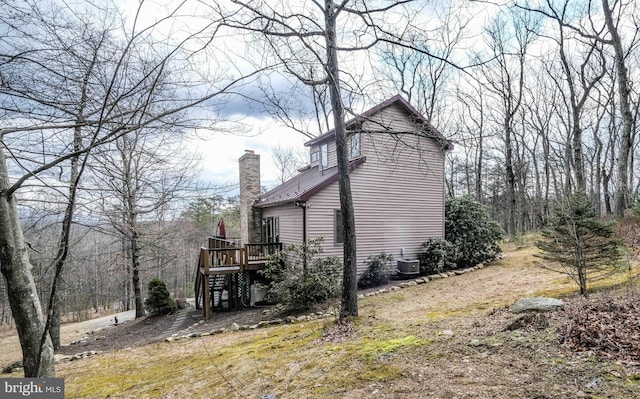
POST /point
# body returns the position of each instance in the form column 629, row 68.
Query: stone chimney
column 250, row 217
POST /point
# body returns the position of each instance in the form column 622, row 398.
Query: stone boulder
column 539, row 304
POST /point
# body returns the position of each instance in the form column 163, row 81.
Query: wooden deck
column 225, row 265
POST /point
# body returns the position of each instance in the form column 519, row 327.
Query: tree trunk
column 54, row 330
column 135, row 266
column 622, row 184
column 349, row 303
column 511, row 180
column 21, row 288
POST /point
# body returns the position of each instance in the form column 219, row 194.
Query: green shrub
column 436, row 255
column 473, row 234
column 159, row 300
column 379, row 268
column 298, row 278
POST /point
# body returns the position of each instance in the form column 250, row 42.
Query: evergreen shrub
column 471, row 231
column 299, row 278
column 379, row 268
column 436, row 255
column 159, row 300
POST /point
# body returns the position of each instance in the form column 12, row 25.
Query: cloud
column 220, row 151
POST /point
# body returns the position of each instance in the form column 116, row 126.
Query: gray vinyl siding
column 399, row 191
column 320, row 218
column 290, row 221
column 398, row 194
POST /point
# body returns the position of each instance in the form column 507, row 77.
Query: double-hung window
column 324, row 155
column 355, row 145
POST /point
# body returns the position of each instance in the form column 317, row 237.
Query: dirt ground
column 149, row 329
column 478, row 347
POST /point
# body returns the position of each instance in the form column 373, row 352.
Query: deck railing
column 223, row 257
column 261, row 251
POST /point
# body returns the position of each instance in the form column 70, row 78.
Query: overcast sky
column 220, row 151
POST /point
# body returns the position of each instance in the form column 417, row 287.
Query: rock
column 15, row 366
column 169, row 339
column 263, row 324
column 360, row 296
column 530, row 320
column 253, row 327
column 434, row 277
column 234, row 327
column 217, row 331
column 538, row 304
column 595, row 383
column 290, row 319
column 395, row 288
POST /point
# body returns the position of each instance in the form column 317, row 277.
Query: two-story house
column 397, row 183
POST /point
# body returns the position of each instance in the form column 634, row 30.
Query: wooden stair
column 224, row 267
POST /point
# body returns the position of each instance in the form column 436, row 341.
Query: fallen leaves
column 608, row 328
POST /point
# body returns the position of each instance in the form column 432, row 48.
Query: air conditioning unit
column 409, row 266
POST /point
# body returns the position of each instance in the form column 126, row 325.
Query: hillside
column 448, row 338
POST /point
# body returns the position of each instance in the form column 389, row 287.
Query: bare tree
column 622, row 196
column 39, row 118
column 287, row 161
column 509, row 41
column 140, row 174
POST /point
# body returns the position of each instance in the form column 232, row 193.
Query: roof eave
column 306, row 196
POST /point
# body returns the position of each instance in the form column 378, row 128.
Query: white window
column 324, row 155
column 355, row 145
column 314, row 156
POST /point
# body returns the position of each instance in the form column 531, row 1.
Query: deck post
column 206, row 264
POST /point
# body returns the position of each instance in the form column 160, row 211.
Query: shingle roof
column 302, row 186
column 397, row 99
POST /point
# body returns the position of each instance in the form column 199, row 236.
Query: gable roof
column 304, row 185
column 395, row 100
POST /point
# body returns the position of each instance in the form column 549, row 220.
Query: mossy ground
column 442, row 339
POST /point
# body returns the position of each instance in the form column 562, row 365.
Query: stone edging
column 318, row 315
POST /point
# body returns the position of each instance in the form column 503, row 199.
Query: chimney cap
column 249, row 152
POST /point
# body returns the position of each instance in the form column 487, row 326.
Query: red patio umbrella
column 222, row 231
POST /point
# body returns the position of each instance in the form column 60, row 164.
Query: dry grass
column 444, row 339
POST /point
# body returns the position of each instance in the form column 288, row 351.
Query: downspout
column 303, row 205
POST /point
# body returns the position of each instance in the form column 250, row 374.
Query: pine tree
column 160, row 300
column 578, row 244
